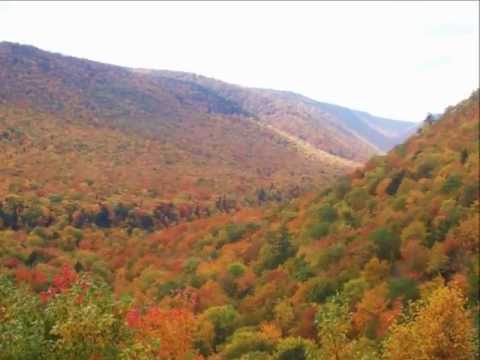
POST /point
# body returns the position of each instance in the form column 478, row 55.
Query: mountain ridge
column 328, row 109
column 213, row 138
column 196, row 93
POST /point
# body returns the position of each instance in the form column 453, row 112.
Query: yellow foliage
column 441, row 329
column 270, row 331
column 376, row 271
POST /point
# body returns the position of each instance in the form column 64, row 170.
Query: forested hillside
column 383, row 264
column 182, row 137
column 345, row 132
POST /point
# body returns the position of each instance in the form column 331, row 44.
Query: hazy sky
column 393, row 59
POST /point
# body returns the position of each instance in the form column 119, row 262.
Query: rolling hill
column 180, row 137
column 383, row 264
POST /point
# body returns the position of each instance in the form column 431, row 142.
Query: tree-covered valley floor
column 381, row 265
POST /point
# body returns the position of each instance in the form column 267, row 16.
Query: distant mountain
column 341, row 131
column 175, row 134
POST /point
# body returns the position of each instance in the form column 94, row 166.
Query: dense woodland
column 384, row 264
column 99, row 262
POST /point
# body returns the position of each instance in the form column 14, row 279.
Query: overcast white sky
column 392, row 59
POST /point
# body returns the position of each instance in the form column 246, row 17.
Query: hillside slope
column 174, row 139
column 326, row 126
column 329, row 275
column 198, row 135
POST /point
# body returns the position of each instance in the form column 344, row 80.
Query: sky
column 399, row 60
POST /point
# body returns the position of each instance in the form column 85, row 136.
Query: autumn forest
column 163, row 215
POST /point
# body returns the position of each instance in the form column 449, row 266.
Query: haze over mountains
column 229, row 136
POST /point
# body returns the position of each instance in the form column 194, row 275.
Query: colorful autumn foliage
column 99, row 261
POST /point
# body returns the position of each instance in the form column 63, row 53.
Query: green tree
column 223, row 319
column 277, row 249
column 357, row 198
column 243, row 342
column 452, row 183
column 296, row 349
column 333, row 324
column 387, row 244
column 328, row 213
column 236, row 269
column 22, row 326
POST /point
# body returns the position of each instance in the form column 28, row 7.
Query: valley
column 149, row 214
